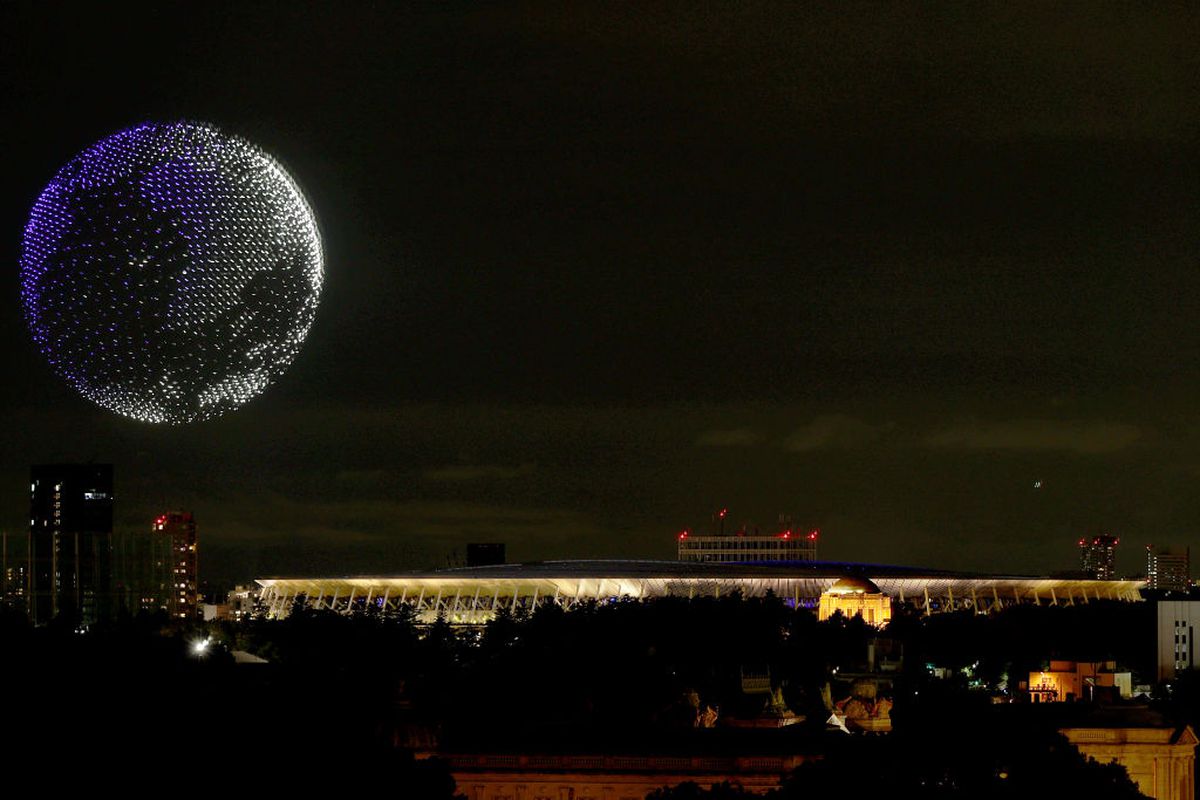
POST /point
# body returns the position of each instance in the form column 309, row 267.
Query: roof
column 642, row 568
column 853, row 584
column 602, row 579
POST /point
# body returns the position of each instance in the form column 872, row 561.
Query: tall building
column 12, row 579
column 1166, row 570
column 70, row 539
column 14, row 585
column 1096, row 556
column 179, row 527
column 142, row 564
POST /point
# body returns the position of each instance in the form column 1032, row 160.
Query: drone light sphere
column 170, row 272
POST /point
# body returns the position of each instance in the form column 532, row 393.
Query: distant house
column 1068, row 681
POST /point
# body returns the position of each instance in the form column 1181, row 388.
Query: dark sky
column 595, row 270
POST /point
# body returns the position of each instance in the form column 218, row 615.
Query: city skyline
column 922, row 278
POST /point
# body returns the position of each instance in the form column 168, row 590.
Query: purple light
column 171, row 272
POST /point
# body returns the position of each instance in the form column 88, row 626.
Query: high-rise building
column 180, row 528
column 12, row 579
column 14, row 585
column 1097, row 554
column 70, row 539
column 142, row 564
column 1166, row 570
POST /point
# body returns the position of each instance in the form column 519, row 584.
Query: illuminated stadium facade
column 472, row 596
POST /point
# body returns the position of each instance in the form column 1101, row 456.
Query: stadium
column 473, row 595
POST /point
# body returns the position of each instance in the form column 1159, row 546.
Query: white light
column 170, row 272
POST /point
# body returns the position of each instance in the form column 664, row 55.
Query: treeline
column 363, row 691
column 630, row 662
column 949, row 756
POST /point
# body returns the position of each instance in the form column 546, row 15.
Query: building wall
column 735, row 549
column 1177, row 621
column 1068, row 680
column 599, row 777
column 1161, row 762
column 532, row 786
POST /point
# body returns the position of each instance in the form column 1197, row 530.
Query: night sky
column 596, row 270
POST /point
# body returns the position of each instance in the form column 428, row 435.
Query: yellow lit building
column 1072, row 680
column 1160, row 760
column 856, row 597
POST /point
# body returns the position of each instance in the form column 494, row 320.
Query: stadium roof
column 471, row 593
column 595, row 568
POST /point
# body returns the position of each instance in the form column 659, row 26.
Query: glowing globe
column 171, row 272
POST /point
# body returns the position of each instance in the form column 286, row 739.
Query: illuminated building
column 1066, row 681
column 1166, row 570
column 70, row 536
column 1096, row 556
column 14, row 585
column 856, row 597
column 243, row 601
column 179, row 528
column 1160, row 758
column 1177, row 621
column 472, row 596
column 787, row 545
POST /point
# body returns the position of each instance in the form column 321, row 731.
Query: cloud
column 1075, row 436
column 833, row 431
column 730, row 437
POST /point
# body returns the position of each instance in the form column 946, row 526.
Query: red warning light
column 683, row 535
column 786, row 535
column 722, row 513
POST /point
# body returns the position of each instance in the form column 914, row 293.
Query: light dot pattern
column 171, row 272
